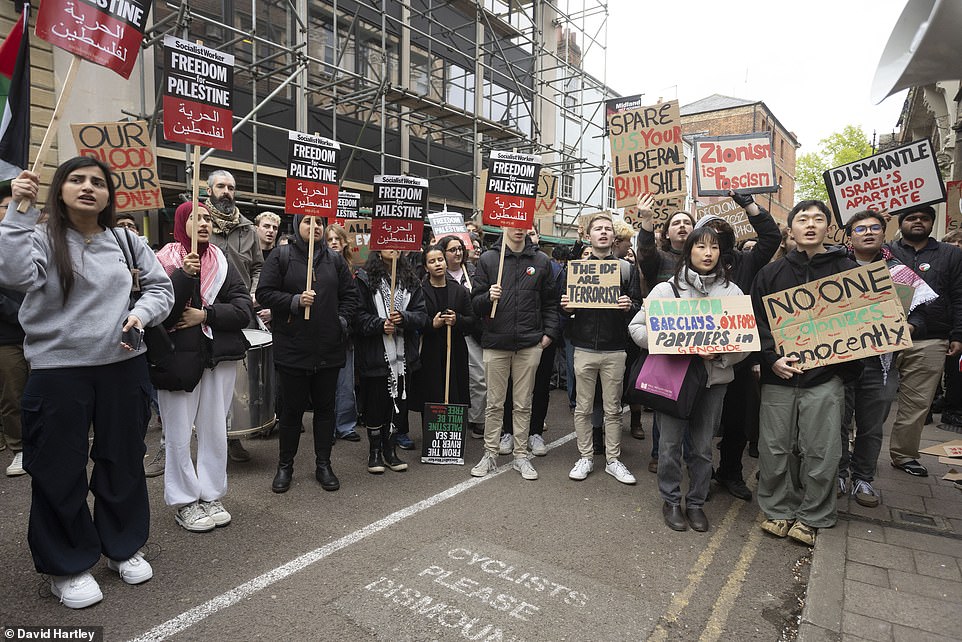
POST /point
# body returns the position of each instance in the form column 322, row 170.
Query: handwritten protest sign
column 511, row 188
column 953, row 206
column 443, row 438
column 646, row 153
column 894, row 180
column 198, row 94
column 450, row 223
column 359, row 234
column 312, row 175
column 701, row 326
column 126, row 149
column 663, row 210
column 733, row 213
column 743, row 162
column 593, row 284
column 400, row 203
column 547, row 194
column 104, row 33
column 348, row 204
column 842, row 317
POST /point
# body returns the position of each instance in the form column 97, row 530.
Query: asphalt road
column 433, row 553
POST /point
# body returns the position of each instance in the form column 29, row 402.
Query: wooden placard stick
column 504, row 250
column 194, row 198
column 447, row 369
column 390, row 308
column 48, row 136
column 310, row 264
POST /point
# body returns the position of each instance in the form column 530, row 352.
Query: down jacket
column 369, row 359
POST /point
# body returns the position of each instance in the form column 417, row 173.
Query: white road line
column 201, row 612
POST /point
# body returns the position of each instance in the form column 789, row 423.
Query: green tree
column 840, row 148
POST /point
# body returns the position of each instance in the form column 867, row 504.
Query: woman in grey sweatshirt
column 75, row 313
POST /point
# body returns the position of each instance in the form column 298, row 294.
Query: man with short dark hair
column 939, row 334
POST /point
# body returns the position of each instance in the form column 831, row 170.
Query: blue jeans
column 345, row 404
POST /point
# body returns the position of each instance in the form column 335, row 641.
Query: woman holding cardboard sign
column 699, row 274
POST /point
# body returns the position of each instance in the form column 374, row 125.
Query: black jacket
column 528, row 308
column 605, row 329
column 791, row 271
column 745, row 265
column 227, row 316
column 939, row 265
column 369, row 359
column 321, row 341
column 11, row 332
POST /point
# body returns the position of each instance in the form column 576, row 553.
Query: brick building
column 719, row 115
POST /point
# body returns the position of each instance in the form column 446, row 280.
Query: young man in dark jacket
column 801, row 410
column 920, row 367
column 524, row 324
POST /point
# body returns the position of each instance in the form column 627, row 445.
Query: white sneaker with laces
column 216, row 511
column 507, row 444
column 524, row 467
column 581, row 469
column 136, row 570
column 194, row 518
column 487, row 465
column 76, row 591
column 538, row 449
column 16, row 466
column 617, row 470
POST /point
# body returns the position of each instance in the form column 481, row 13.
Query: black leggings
column 377, row 407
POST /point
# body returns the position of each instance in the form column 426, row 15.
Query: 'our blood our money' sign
column 104, row 32
column 646, row 153
column 127, row 150
column 400, row 203
column 511, row 188
column 895, row 180
column 733, row 214
column 743, row 162
column 198, row 94
column 701, row 326
column 842, row 317
column 312, row 175
column 593, row 284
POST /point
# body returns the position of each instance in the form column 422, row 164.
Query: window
column 610, row 196
column 460, row 88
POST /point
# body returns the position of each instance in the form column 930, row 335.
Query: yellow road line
column 731, row 590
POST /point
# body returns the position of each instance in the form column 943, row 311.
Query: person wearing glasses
column 128, row 221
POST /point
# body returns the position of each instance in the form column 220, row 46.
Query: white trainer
column 487, row 465
column 538, row 449
column 617, row 470
column 194, row 518
column 16, row 466
column 581, row 469
column 136, row 570
column 524, row 467
column 507, row 444
column 76, row 591
column 216, row 511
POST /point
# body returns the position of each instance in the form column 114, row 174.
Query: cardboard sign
column 895, row 180
column 733, row 214
column 127, row 150
column 400, row 203
column 701, row 326
column 547, row 195
column 842, row 317
column 646, row 153
column 312, row 175
column 593, row 284
column 359, row 233
column 348, row 204
column 953, row 206
column 443, row 438
column 105, row 33
column 663, row 210
column 511, row 188
column 198, row 94
column 743, row 162
column 450, row 223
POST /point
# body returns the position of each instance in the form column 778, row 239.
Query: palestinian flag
column 15, row 98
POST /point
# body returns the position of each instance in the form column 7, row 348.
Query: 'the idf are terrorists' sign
column 743, row 162
column 443, row 439
column 348, row 204
column 400, row 203
column 647, row 155
column 894, row 180
column 127, row 150
column 593, row 284
column 511, row 188
column 198, row 94
column 701, row 326
column 312, row 175
column 842, row 317
column 105, row 33
column 733, row 214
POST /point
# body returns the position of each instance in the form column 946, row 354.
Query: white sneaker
column 194, row 518
column 617, row 470
column 538, row 448
column 216, row 511
column 76, row 591
column 16, row 466
column 524, row 467
column 136, row 570
column 487, row 465
column 581, row 469
column 507, row 444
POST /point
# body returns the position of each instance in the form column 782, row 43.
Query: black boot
column 391, row 460
column 375, row 464
column 325, row 475
column 323, row 439
column 287, row 438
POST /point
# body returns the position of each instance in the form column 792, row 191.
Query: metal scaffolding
column 426, row 87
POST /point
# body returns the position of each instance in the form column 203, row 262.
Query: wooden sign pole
column 194, row 198
column 504, row 249
column 310, row 263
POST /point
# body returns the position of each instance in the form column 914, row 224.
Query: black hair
column 437, row 247
column 861, row 216
column 702, row 234
column 443, row 244
column 377, row 270
column 804, row 205
column 665, row 241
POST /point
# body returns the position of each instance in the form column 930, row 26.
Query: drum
column 252, row 409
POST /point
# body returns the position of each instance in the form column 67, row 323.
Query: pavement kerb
column 822, row 614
